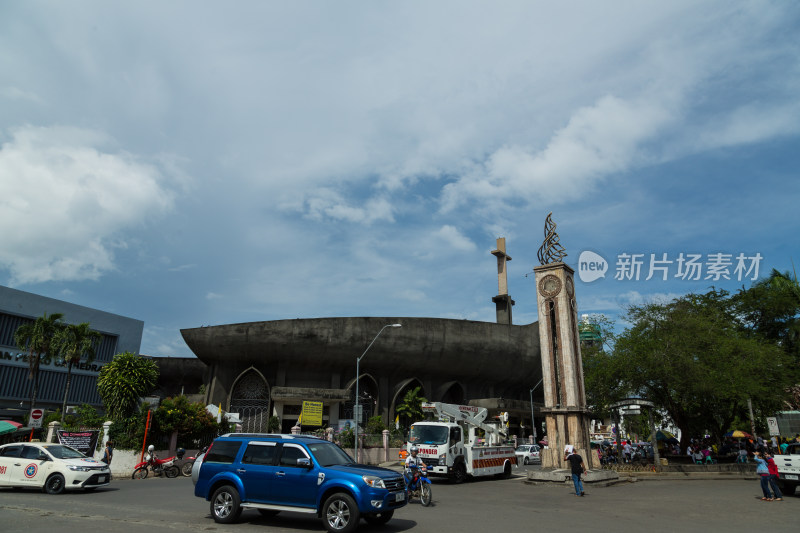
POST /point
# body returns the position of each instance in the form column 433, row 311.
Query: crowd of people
column 698, row 451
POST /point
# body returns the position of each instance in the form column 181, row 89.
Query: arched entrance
column 452, row 392
column 250, row 398
column 368, row 392
column 401, row 390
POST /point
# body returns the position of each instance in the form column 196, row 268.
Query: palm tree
column 410, row 409
column 123, row 381
column 72, row 343
column 37, row 339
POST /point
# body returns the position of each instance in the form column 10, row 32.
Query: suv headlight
column 374, row 481
column 75, row 468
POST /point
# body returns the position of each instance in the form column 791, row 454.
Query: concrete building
column 260, row 369
column 263, row 369
column 17, row 307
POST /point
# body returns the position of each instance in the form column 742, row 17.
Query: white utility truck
column 788, row 469
column 452, row 448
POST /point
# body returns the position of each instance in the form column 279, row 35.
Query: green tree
column 190, row 420
column 693, row 359
column 123, row 381
column 72, row 343
column 410, row 409
column 770, row 310
column 36, row 338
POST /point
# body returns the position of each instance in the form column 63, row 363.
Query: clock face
column 549, row 286
column 570, row 288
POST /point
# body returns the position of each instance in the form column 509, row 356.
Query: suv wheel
column 225, row 506
column 340, row 513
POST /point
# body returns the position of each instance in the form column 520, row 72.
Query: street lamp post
column 357, row 407
column 533, row 422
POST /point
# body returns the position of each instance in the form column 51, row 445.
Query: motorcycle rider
column 412, row 459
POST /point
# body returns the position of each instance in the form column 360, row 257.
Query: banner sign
column 312, row 413
column 83, row 441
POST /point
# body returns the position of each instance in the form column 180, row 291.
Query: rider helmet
column 414, row 449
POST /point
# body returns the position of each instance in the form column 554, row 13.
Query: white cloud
column 326, row 203
column 213, row 296
column 597, row 141
column 63, row 202
column 453, row 238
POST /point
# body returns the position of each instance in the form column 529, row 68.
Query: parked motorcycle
column 158, row 466
column 418, row 484
column 186, row 464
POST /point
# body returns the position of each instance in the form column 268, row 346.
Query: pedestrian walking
column 577, row 468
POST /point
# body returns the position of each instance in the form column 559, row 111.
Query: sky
column 203, row 163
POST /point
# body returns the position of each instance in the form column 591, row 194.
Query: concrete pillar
column 295, row 430
column 386, row 445
column 106, row 435
column 52, row 431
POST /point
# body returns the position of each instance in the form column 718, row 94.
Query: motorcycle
column 186, row 464
column 158, row 466
column 418, row 484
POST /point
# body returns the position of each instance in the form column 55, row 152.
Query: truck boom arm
column 468, row 414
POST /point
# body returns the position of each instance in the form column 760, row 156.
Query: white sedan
column 527, row 454
column 50, row 467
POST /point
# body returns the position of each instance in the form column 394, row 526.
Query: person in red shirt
column 773, row 477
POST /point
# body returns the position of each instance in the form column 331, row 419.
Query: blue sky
column 201, row 163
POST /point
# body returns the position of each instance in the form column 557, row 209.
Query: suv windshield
column 428, row 434
column 328, row 454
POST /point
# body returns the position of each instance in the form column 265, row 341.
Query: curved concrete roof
column 459, row 348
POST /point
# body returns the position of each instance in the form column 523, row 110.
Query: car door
column 295, row 485
column 257, row 470
column 35, row 465
column 11, row 465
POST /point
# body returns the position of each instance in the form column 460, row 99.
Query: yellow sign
column 312, row 413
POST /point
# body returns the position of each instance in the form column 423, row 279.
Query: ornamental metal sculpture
column 551, row 250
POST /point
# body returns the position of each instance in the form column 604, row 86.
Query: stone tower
column 565, row 411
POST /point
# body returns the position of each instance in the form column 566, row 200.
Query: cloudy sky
column 203, row 163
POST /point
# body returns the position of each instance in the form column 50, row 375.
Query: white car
column 528, row 454
column 50, row 467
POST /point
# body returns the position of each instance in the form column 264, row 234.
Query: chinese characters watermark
column 684, row 266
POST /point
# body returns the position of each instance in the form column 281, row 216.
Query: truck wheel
column 340, row 513
column 225, row 506
column 506, row 470
column 425, row 494
column 378, row 519
column 459, row 473
column 788, row 489
column 54, row 484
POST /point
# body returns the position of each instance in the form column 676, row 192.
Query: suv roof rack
column 273, row 436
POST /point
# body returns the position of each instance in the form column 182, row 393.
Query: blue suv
column 273, row 473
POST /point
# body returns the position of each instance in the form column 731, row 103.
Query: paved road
column 165, row 505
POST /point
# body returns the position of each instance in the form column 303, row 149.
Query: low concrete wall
column 376, row 456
